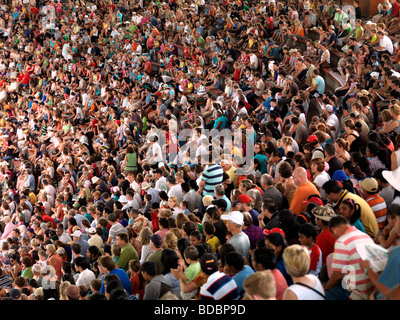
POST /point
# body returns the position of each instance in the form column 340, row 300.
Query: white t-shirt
column 386, row 44
column 157, row 150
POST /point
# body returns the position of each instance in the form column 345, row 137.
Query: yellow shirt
column 214, row 243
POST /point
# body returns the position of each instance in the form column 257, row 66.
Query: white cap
column 234, row 216
column 77, row 233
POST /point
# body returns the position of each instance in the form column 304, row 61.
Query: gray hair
column 219, row 190
column 267, row 179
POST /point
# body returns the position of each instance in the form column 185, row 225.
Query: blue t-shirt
column 241, row 276
column 390, row 276
column 320, row 82
column 123, row 276
column 224, row 121
column 264, row 166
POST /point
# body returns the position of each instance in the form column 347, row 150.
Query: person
column 240, row 241
column 304, row 189
column 219, row 286
column 351, row 211
column 128, row 252
column 385, row 281
column 370, row 189
column 307, row 238
column 235, row 267
column 157, row 285
column 336, row 194
column 107, row 266
column 85, row 275
column 191, row 255
column 156, row 247
column 305, row 286
column 260, row 286
column 345, row 255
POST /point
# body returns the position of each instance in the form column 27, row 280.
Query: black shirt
column 334, row 165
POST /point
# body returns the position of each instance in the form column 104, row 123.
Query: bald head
column 299, row 176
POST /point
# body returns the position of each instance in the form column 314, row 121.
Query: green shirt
column 192, row 271
column 27, row 273
column 128, row 253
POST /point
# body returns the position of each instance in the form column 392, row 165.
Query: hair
column 261, row 284
column 353, row 206
column 170, row 240
column 297, row 260
column 144, row 235
column 308, row 230
column 320, row 162
column 277, row 240
column 332, row 186
column 169, row 259
column 265, row 257
column 191, row 253
column 234, row 259
column 149, row 267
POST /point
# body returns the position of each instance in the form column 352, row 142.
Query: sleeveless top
column 131, row 161
column 304, row 293
column 397, row 152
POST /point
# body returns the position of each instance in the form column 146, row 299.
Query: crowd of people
column 113, row 186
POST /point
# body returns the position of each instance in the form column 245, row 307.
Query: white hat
column 330, row 123
column 92, row 230
column 328, row 107
column 234, row 216
column 123, row 199
column 95, row 179
column 393, row 178
column 145, row 185
column 77, row 233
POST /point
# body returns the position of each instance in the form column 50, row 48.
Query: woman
column 353, row 136
column 146, row 251
column 376, row 157
column 320, row 176
column 395, row 156
column 131, row 160
column 352, row 212
column 277, row 242
column 305, row 286
column 173, row 204
column 393, row 127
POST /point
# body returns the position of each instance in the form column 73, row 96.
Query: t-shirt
column 320, row 82
column 192, row 271
column 219, row 286
column 213, row 175
column 386, row 44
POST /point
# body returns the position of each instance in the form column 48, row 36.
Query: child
column 137, row 280
column 307, row 235
column 42, row 258
column 115, row 252
column 212, row 240
column 184, row 207
column 389, row 238
column 147, row 206
column 95, row 285
column 191, row 255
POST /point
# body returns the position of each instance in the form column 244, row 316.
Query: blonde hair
column 297, row 260
column 143, row 235
column 175, row 199
column 262, row 284
column 395, row 110
column 170, row 240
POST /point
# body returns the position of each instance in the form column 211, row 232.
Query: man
column 370, row 189
column 269, row 211
column 190, row 195
column 331, row 159
column 175, row 188
column 243, row 204
column 77, row 238
column 219, row 191
column 318, row 151
column 317, row 88
column 304, row 190
column 95, row 238
column 107, row 266
column 156, row 285
column 239, row 240
column 161, row 181
column 386, row 190
column 289, row 91
column 219, row 286
column 212, row 176
column 347, row 259
column 128, row 252
column 85, row 275
column 115, row 228
column 156, row 246
column 235, row 267
column 385, row 44
column 336, row 194
column 298, row 128
column 63, row 236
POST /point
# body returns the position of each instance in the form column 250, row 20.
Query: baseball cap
column 328, row 107
column 234, row 216
column 369, row 185
column 156, row 239
column 325, row 213
column 340, row 175
column 77, row 233
column 15, row 293
column 312, row 139
column 242, row 198
column 92, row 230
column 274, row 230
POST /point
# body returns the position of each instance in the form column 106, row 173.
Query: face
column 346, row 211
column 194, row 240
column 305, row 241
column 276, row 249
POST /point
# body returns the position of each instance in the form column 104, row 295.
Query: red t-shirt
column 147, row 67
column 326, row 242
column 26, row 78
column 395, row 9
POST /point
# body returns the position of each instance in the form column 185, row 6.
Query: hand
column 364, row 264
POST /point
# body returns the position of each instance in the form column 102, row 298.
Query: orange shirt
column 301, row 194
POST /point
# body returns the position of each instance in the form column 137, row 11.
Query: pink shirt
column 8, row 230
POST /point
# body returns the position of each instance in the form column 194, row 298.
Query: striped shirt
column 212, row 176
column 347, row 260
column 378, row 206
column 219, row 286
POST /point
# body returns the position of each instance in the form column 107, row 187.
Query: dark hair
column 191, row 253
column 353, row 206
column 277, row 240
column 149, row 267
column 223, row 250
column 332, row 186
column 337, row 221
column 234, row 259
column 169, row 259
column 265, row 257
column 308, row 230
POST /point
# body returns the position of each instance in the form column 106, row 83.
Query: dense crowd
column 196, row 150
